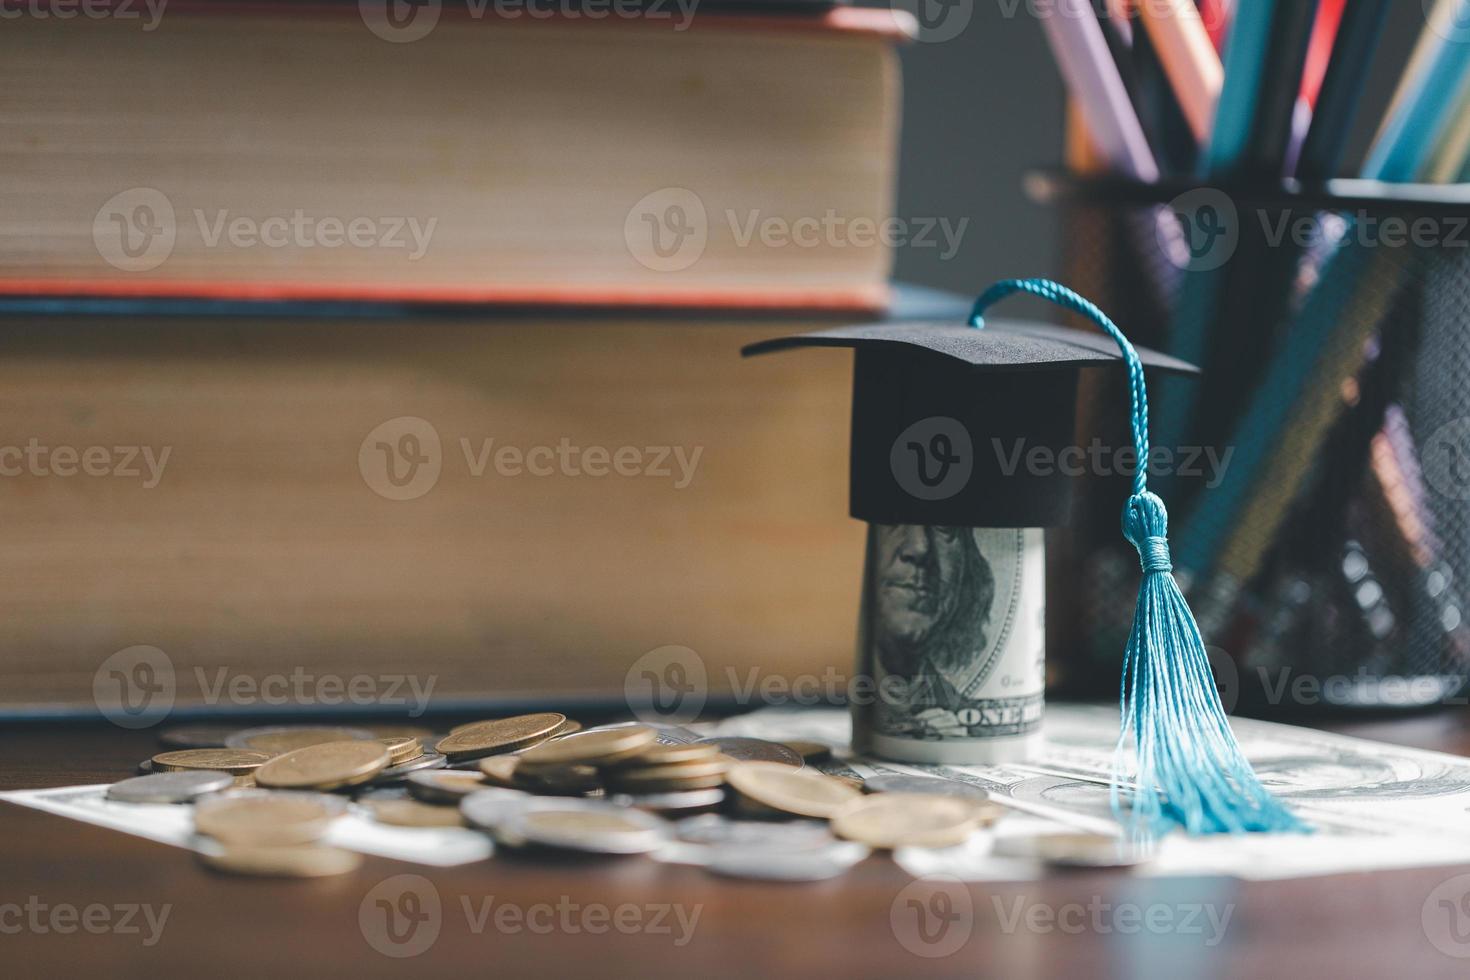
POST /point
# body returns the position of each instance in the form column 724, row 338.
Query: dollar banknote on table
column 1371, row 805
column 952, row 636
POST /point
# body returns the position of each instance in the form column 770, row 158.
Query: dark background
column 985, row 106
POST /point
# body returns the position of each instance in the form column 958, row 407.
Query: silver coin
column 465, row 765
column 429, row 760
column 534, row 824
column 196, row 737
column 489, row 808
column 674, row 735
column 662, row 734
column 241, row 739
column 720, row 831
column 442, row 785
column 754, row 750
column 146, row 768
column 684, row 801
column 933, row 785
column 170, row 787
column 782, row 864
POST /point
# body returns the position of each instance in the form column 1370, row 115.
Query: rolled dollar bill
column 951, row 644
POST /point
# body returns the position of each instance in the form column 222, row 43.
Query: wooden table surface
column 859, row 925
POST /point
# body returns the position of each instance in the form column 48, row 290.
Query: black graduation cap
column 944, row 416
column 923, row 394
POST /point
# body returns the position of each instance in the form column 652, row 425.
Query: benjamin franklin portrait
column 932, row 593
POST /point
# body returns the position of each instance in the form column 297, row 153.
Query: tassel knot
column 1146, row 526
column 1144, row 517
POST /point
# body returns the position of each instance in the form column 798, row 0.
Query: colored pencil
column 1101, row 99
column 1281, row 85
column 1246, row 54
column 1195, row 316
column 1092, row 78
column 1426, row 41
column 1447, row 164
column 1215, row 16
column 1120, row 13
column 1258, row 272
column 1342, row 89
column 1405, row 148
column 1175, row 146
column 1189, row 59
column 1319, row 55
column 1297, row 399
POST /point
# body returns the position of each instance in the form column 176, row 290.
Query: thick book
column 304, row 152
column 487, row 507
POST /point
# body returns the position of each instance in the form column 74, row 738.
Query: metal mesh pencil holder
column 1319, row 472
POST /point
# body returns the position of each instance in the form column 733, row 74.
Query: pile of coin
column 749, row 807
column 264, row 799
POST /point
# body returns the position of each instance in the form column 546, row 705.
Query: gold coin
column 266, row 818
column 804, row 792
column 499, row 770
column 557, row 780
column 330, row 765
column 687, row 772
column 236, row 762
column 283, row 862
column 501, row 735
column 668, row 755
column 808, row 750
column 401, row 748
column 744, row 749
column 565, row 728
column 443, row 786
column 646, row 786
column 412, row 813
column 289, row 738
column 598, row 746
column 889, row 820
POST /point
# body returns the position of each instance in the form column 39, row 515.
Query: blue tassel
column 1188, row 768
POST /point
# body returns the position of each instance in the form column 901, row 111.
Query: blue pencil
column 1246, row 68
column 1406, row 146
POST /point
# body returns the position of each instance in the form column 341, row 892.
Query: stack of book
column 339, row 353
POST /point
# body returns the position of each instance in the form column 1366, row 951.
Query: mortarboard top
column 965, row 426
